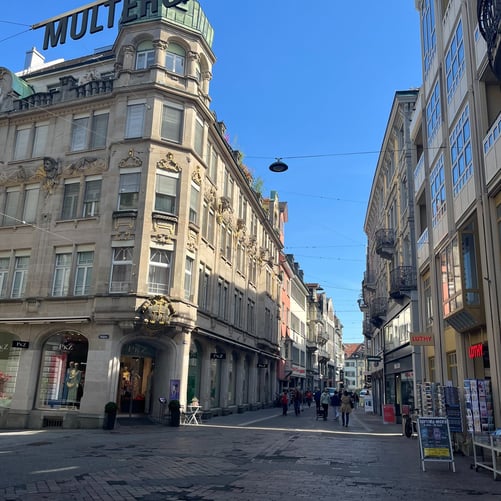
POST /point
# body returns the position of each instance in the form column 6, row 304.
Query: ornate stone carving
column 49, row 174
column 192, row 243
column 130, row 161
column 197, row 175
column 168, row 163
column 210, row 195
column 162, row 238
column 155, row 313
column 87, row 165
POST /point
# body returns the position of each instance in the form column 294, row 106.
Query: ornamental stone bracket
column 155, row 313
column 131, row 160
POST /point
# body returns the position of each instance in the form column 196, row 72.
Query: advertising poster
column 435, row 439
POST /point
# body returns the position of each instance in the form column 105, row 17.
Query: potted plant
column 110, row 411
column 175, row 412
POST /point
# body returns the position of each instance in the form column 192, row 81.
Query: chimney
column 33, row 60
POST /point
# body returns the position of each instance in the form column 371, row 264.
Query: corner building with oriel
column 136, row 258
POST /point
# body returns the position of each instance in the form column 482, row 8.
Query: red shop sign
column 476, row 350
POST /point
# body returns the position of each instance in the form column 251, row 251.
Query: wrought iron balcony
column 385, row 243
column 369, row 281
column 489, row 19
column 403, row 280
column 368, row 329
column 378, row 309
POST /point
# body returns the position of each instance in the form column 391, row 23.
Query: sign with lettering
column 262, row 365
column 422, row 339
column 20, row 344
column 104, row 336
column 218, row 356
column 435, row 440
column 79, row 20
column 476, row 351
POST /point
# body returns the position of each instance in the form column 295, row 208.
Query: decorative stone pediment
column 130, row 160
column 155, row 313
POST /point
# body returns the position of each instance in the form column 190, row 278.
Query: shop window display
column 9, row 365
column 62, row 375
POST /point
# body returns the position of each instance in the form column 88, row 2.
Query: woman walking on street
column 324, row 402
column 346, row 408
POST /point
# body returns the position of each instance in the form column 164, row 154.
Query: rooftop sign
column 79, row 20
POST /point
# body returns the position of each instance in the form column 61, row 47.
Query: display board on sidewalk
column 435, row 440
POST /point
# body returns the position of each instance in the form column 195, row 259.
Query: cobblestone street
column 256, row 455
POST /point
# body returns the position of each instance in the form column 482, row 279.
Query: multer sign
column 56, row 28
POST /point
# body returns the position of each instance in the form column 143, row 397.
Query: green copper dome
column 189, row 15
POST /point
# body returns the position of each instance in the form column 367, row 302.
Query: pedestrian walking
column 284, row 401
column 346, row 408
column 308, row 397
column 336, row 403
column 325, row 400
column 298, row 399
column 317, row 396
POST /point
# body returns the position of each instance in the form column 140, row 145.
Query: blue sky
column 309, row 82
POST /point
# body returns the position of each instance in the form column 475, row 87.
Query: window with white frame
column 209, row 222
column 145, row 55
column 76, row 204
column 121, row 270
column 31, row 141
column 166, row 191
column 429, row 33
column 175, row 59
column 204, row 281
column 238, row 307
column 128, row 195
column 212, row 162
column 134, row 123
column 21, row 265
column 461, row 154
column 172, row 122
column 222, row 298
column 198, row 145
column 89, row 131
column 83, row 272
column 252, row 271
column 62, row 271
column 21, row 205
column 228, row 186
column 454, row 61
column 226, row 241
column 242, row 207
column 92, row 197
column 194, row 203
column 251, row 315
column 433, row 113
column 437, row 184
column 73, row 271
column 188, row 278
column 240, row 251
column 4, row 274
column 11, row 207
column 159, row 273
column 70, row 199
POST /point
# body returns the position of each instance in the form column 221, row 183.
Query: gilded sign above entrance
column 79, row 20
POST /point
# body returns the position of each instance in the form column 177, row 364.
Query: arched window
column 62, row 372
column 175, row 59
column 9, row 365
column 145, row 55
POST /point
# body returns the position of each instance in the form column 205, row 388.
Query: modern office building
column 137, row 259
column 457, row 182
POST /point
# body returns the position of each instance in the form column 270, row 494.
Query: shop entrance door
column 135, row 387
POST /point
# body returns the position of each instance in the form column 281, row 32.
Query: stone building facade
column 136, row 258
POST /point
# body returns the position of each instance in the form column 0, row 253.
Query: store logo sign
column 86, row 18
column 476, row 351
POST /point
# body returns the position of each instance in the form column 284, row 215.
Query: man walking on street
column 336, row 402
column 325, row 400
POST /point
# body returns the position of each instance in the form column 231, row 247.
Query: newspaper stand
column 435, row 440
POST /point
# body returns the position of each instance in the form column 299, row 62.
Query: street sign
column 373, row 359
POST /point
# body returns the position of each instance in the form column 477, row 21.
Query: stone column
column 160, row 47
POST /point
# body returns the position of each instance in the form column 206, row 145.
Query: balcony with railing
column 385, row 242
column 378, row 309
column 403, row 280
column 368, row 329
column 369, row 281
column 492, row 150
